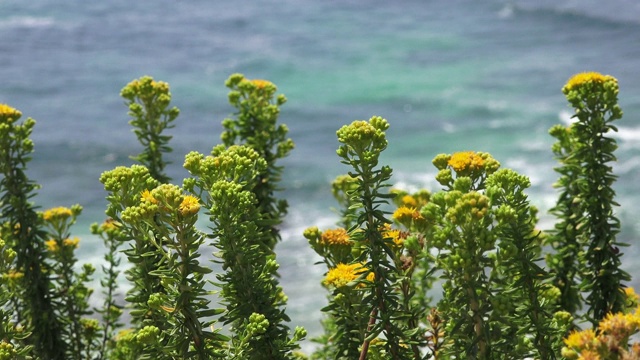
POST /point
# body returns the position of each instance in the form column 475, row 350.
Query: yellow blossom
column 466, row 160
column 587, row 77
column 633, row 300
column 13, row 275
column 406, row 214
column 343, row 274
column 403, row 213
column 146, row 196
column 619, row 325
column 585, row 339
column 335, row 237
column 261, row 84
column 190, row 205
column 71, row 243
column 589, row 355
column 52, row 245
column 57, row 213
column 394, row 234
column 409, row 201
column 110, row 226
column 8, row 113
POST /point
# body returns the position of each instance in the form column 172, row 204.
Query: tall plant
column 255, row 125
column 148, row 101
column 587, row 218
column 35, row 308
column 250, row 291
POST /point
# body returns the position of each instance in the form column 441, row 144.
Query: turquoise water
column 449, row 76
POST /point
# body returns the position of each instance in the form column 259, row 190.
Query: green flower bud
column 148, row 335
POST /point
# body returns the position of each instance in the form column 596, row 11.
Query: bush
column 477, row 236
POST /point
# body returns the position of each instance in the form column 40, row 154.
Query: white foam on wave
column 565, row 117
column 29, row 22
column 629, row 136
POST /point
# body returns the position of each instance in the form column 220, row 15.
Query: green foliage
column 476, row 239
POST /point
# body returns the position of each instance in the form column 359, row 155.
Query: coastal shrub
column 506, row 289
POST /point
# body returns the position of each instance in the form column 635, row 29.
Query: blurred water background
column 448, row 75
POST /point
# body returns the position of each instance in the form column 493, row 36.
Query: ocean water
column 448, row 76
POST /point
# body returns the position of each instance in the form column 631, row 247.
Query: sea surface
column 448, row 75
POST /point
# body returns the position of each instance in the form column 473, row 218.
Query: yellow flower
column 343, row 274
column 403, row 213
column 589, row 355
column 52, row 245
column 190, row 205
column 13, row 275
column 335, row 237
column 587, row 77
column 585, row 339
column 71, row 243
column 146, row 196
column 57, row 213
column 633, row 299
column 409, row 201
column 619, row 325
column 466, row 160
column 9, row 114
column 261, row 84
column 394, row 234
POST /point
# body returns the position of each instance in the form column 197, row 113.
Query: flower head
column 620, row 325
column 395, row 235
column 632, row 299
column 8, row 114
column 335, row 237
column 190, row 205
column 261, row 84
column 52, row 245
column 583, row 78
column 367, row 139
column 409, row 201
column 343, row 274
column 465, row 161
column 146, row 196
column 57, row 214
column 405, row 215
column 71, row 242
column 585, row 339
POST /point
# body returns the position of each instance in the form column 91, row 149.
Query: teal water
column 449, row 76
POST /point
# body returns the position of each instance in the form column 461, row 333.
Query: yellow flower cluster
column 69, row 243
column 13, row 275
column 261, row 84
column 190, row 205
column 9, row 114
column 343, row 274
column 146, row 196
column 405, row 215
column 633, row 300
column 587, row 77
column 396, row 235
column 335, row 237
column 612, row 338
column 466, row 160
column 57, row 213
column 409, row 201
column 147, row 83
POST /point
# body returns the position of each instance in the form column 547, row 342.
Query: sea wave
column 614, row 12
column 29, row 22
